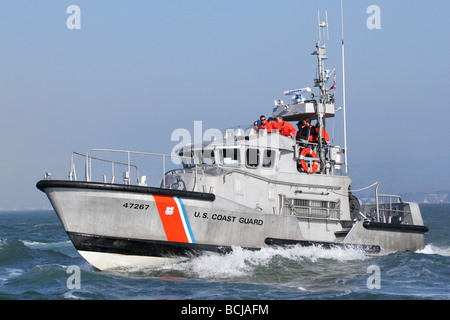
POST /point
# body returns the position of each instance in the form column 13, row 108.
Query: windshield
column 230, row 156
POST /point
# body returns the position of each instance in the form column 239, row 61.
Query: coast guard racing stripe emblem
column 174, row 219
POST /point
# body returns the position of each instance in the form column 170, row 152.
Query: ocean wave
column 433, row 249
column 46, row 245
column 12, row 249
column 245, row 263
column 9, row 273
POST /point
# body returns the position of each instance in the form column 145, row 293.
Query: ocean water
column 37, row 261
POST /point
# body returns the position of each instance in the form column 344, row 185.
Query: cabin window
column 208, row 156
column 268, row 158
column 230, row 157
column 252, row 160
column 187, row 158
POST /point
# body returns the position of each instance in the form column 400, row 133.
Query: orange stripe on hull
column 171, row 218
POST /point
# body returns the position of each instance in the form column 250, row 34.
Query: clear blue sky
column 137, row 70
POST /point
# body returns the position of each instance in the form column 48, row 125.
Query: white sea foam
column 46, row 245
column 10, row 273
column 241, row 263
column 432, row 249
column 70, row 295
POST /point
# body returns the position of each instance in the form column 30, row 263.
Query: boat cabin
column 262, row 153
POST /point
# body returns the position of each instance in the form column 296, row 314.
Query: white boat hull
column 115, row 226
column 106, row 261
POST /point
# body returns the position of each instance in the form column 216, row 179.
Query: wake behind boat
column 252, row 189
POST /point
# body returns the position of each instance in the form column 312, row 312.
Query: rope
column 365, row 187
column 341, row 194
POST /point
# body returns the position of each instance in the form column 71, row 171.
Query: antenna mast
column 343, row 88
column 323, row 76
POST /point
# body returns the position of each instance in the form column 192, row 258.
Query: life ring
column 308, row 153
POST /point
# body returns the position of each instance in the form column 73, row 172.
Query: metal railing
column 128, row 164
column 279, row 182
column 387, row 209
column 73, row 173
column 392, row 211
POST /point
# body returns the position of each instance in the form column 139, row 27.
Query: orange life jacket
column 324, row 135
column 266, row 126
column 286, row 129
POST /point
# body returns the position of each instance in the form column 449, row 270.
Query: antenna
column 321, row 81
column 318, row 22
column 322, row 26
column 343, row 89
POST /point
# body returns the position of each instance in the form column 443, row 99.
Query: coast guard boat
column 247, row 188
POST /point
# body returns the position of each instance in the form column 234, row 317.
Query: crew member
column 325, row 136
column 300, row 125
column 306, row 132
column 284, row 128
column 264, row 124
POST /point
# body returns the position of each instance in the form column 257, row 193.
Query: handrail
column 88, row 172
column 88, row 168
column 292, row 184
column 377, row 195
column 72, row 166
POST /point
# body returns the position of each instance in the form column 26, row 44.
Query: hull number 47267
column 137, row 206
